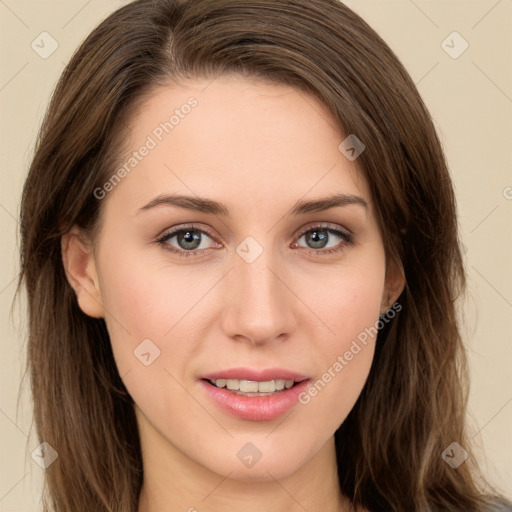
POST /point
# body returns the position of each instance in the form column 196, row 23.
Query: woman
column 239, row 243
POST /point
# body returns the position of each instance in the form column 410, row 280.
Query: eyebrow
column 213, row 207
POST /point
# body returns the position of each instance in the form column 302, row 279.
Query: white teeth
column 221, row 383
column 248, row 386
column 263, row 387
column 251, row 386
column 233, row 384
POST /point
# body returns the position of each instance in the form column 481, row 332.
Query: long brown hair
column 413, row 404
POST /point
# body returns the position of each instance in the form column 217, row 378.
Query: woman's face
column 247, row 274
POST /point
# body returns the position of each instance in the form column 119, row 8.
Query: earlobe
column 80, row 268
column 394, row 285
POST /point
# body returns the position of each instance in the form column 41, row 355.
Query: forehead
column 238, row 140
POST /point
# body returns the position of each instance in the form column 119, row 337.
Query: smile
column 252, row 387
column 254, row 405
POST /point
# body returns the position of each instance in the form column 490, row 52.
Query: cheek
column 327, row 402
column 351, row 310
column 346, row 363
column 348, row 302
column 151, row 322
column 149, row 301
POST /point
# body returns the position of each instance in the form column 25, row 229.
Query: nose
column 259, row 304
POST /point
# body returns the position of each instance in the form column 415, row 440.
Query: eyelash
column 347, row 238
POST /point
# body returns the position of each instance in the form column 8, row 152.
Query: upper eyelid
column 174, row 231
column 322, row 225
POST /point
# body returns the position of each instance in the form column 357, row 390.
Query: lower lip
column 255, row 408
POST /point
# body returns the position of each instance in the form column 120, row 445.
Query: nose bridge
column 258, row 305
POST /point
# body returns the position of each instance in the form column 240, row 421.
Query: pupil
column 318, row 238
column 189, row 240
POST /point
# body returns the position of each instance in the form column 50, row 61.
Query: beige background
column 470, row 98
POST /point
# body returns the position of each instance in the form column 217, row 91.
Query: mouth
column 256, row 399
column 253, row 387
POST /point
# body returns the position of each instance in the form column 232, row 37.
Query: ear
column 393, row 286
column 80, row 269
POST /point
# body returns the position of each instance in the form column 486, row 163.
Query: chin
column 276, row 468
column 252, row 464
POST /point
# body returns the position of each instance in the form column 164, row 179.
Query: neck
column 172, row 481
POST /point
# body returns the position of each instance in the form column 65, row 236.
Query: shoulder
column 499, row 506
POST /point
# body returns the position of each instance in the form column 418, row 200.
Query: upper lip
column 254, row 374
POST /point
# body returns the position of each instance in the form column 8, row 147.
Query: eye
column 325, row 240
column 188, row 240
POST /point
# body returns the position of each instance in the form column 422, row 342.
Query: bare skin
column 256, row 148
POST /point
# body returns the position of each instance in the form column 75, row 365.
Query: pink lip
column 255, row 408
column 258, row 375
